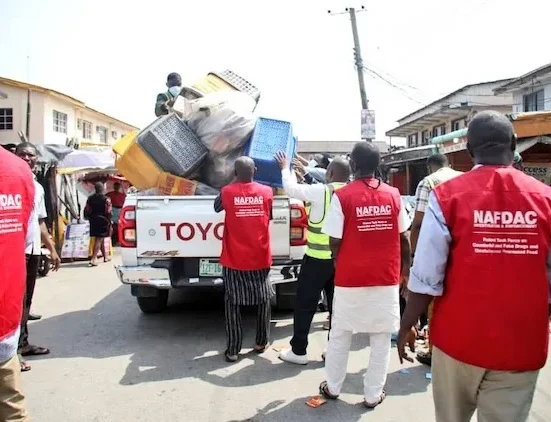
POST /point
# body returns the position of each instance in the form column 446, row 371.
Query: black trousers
column 32, row 271
column 316, row 275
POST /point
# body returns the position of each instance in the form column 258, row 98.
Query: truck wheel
column 154, row 305
column 285, row 297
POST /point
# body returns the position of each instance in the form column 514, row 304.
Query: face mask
column 174, row 90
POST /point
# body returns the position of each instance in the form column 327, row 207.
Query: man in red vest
column 367, row 225
column 16, row 204
column 246, row 254
column 484, row 252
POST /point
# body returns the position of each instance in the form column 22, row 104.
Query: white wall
column 52, row 103
column 42, row 121
column 518, row 95
column 17, row 100
column 98, row 120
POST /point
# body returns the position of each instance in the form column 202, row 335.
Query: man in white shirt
column 28, row 153
column 317, row 269
column 367, row 225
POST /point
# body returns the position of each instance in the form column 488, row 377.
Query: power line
column 402, row 90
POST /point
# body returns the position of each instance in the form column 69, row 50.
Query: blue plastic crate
column 270, row 136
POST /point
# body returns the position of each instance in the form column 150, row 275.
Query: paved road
column 111, row 363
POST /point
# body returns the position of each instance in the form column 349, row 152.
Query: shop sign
column 542, row 172
column 453, row 146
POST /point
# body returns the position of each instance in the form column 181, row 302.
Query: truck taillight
column 127, row 227
column 299, row 224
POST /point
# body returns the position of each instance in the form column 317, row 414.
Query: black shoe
column 286, row 273
column 34, row 317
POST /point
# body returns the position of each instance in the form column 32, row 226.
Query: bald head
column 338, row 171
column 491, row 139
column 364, row 159
column 244, row 169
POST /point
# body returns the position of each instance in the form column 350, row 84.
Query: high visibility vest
column 317, row 243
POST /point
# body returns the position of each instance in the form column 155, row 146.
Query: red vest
column 16, row 204
column 496, row 285
column 246, row 241
column 369, row 254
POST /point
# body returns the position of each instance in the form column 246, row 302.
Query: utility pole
column 358, row 58
column 28, row 125
column 358, row 61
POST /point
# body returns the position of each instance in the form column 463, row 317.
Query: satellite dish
column 3, row 95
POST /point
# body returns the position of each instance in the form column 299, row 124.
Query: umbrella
column 80, row 159
column 51, row 153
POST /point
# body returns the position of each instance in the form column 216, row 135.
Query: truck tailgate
column 174, row 226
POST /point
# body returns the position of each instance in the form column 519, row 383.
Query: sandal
column 374, row 405
column 324, row 391
column 425, row 358
column 34, row 351
column 25, row 367
column 261, row 349
column 230, row 358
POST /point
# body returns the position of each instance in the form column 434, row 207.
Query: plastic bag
column 223, row 121
column 218, row 169
column 203, row 190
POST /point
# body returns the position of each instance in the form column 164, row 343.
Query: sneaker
column 287, row 355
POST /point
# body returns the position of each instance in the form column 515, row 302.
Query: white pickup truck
column 173, row 242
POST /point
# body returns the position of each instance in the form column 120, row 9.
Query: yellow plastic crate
column 134, row 164
column 212, row 83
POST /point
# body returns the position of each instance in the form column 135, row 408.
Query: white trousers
column 336, row 362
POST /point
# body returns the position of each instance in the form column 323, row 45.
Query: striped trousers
column 234, row 328
column 246, row 288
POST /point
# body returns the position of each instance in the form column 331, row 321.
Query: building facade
column 446, row 117
column 451, row 113
column 531, row 91
column 310, row 148
column 53, row 118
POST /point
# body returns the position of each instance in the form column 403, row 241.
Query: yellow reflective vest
column 317, row 243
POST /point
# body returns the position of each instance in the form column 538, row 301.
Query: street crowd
column 477, row 254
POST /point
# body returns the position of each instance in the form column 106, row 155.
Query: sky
column 115, row 55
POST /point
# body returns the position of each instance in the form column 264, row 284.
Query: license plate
column 209, row 269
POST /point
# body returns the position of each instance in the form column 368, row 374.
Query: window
column 457, row 124
column 86, row 129
column 425, row 136
column 102, row 131
column 6, row 118
column 534, row 101
column 122, row 135
column 114, row 134
column 60, row 122
column 412, row 140
column 438, row 130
